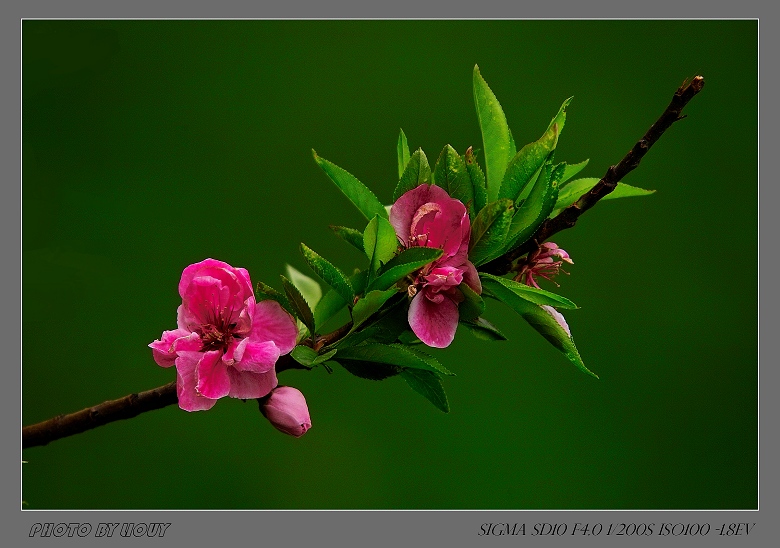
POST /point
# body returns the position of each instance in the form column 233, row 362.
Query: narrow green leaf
column 349, row 235
column 428, row 385
column 265, row 292
column 472, row 306
column 330, row 274
column 543, row 321
column 298, row 303
column 369, row 304
column 536, row 208
column 358, row 193
column 380, row 244
column 526, row 163
column 417, row 172
column 489, row 231
column 331, row 303
column 357, row 337
column 495, row 134
column 571, row 171
column 560, row 118
column 372, row 371
column 572, row 192
column 308, row 357
column 394, row 354
column 308, row 287
column 450, row 173
column 531, row 294
column 477, row 180
column 483, row 329
column 512, row 145
column 403, row 153
column 406, row 262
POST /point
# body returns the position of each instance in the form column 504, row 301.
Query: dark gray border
column 385, row 528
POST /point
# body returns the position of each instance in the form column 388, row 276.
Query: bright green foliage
column 331, row 303
column 450, row 173
column 298, row 304
column 428, row 385
column 531, row 294
column 403, row 153
column 266, row 292
column 417, row 172
column 526, row 163
column 560, row 117
column 473, row 305
column 489, row 231
column 308, row 357
column 535, row 208
column 308, row 287
column 329, row 274
column 495, row 134
column 358, row 193
column 477, row 180
column 370, row 304
column 380, row 244
column 406, row 262
column 572, row 170
column 483, row 329
column 572, row 192
column 349, row 235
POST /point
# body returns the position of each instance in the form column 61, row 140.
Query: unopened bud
column 286, row 409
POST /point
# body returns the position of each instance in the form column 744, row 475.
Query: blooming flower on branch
column 541, row 263
column 226, row 344
column 426, row 216
column 287, row 411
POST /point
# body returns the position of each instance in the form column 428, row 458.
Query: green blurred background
column 150, row 145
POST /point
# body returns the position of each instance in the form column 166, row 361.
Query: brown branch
column 133, row 405
column 568, row 217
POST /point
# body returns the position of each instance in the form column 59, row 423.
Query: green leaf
column 329, row 273
column 357, row 337
column 428, row 385
column 450, row 173
column 495, row 134
column 572, row 170
column 349, row 235
column 358, row 193
column 560, row 117
column 369, row 304
column 572, row 192
column 266, row 292
column 477, row 180
column 526, row 163
column 541, row 320
column 417, row 172
column 536, row 208
column 406, row 262
column 531, row 294
column 472, row 306
column 308, row 287
column 403, row 153
column 372, row 371
column 483, row 329
column 298, row 304
column 512, row 145
column 489, row 231
column 308, row 357
column 394, row 354
column 331, row 303
column 380, row 244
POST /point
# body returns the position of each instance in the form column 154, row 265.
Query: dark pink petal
column 445, row 230
column 203, row 299
column 271, row 322
column 163, row 349
column 443, row 278
column 471, row 277
column 405, row 208
column 186, row 381
column 257, row 357
column 191, row 271
column 213, row 380
column 433, row 323
column 190, row 343
column 247, row 385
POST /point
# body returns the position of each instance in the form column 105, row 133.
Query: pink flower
column 226, row 344
column 287, row 411
column 426, row 216
column 541, row 263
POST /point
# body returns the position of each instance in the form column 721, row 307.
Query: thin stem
column 133, row 405
column 568, row 217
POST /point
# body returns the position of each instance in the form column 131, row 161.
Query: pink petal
column 211, row 267
column 163, row 349
column 247, row 385
column 434, row 323
column 186, row 380
column 287, row 411
column 404, row 209
column 558, row 317
column 213, row 380
column 271, row 322
column 257, row 357
column 205, row 297
column 471, row 277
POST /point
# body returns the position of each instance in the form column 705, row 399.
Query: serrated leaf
column 372, row 371
column 394, row 354
column 450, row 174
column 483, row 329
column 526, row 163
column 428, row 385
column 531, row 294
column 357, row 337
column 472, row 306
column 495, row 134
column 489, row 231
column 416, row 173
column 477, row 180
column 403, row 153
column 358, row 193
column 308, row 286
column 349, row 235
column 330, row 274
column 265, row 292
column 572, row 192
column 512, row 145
column 331, row 303
column 571, row 171
column 406, row 262
column 543, row 322
column 298, row 304
column 369, row 304
column 308, row 357
column 560, row 118
column 380, row 244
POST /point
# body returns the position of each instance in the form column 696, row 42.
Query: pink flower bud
column 286, row 409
